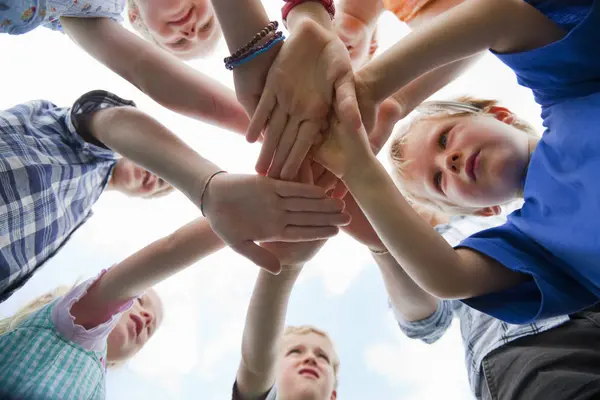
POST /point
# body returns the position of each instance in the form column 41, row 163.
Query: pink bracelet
column 289, row 4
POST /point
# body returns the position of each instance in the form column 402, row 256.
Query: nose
column 189, row 29
column 454, row 162
column 147, row 317
column 310, row 360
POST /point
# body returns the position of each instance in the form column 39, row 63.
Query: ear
column 502, row 114
column 333, row 395
column 133, row 14
column 488, row 211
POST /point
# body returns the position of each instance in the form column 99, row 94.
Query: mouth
column 186, row 17
column 471, row 166
column 139, row 324
column 309, row 372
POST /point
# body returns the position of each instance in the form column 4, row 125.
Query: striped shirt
column 50, row 177
column 480, row 333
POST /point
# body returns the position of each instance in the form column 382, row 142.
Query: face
column 186, row 28
column 306, row 368
column 475, row 161
column 135, row 181
column 357, row 37
column 135, row 327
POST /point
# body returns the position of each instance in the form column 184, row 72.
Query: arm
column 144, row 269
column 265, row 322
column 148, row 143
column 463, row 31
column 170, row 82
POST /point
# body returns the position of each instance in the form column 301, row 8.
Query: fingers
column 259, row 256
column 265, row 107
column 325, row 205
column 295, row 189
column 346, row 103
column 317, row 219
column 286, row 141
column 272, row 138
column 339, row 191
column 305, row 175
column 307, row 133
column 327, row 181
column 302, row 233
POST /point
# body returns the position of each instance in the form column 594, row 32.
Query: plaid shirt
column 480, row 333
column 49, row 179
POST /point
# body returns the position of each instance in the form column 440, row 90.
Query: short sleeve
column 90, row 339
column 550, row 292
column 429, row 329
column 82, row 109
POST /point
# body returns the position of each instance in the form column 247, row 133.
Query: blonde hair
column 308, row 329
column 463, row 106
column 138, row 24
column 10, row 323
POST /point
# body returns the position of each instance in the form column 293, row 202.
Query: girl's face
column 356, row 35
column 133, row 180
column 186, row 28
column 473, row 162
column 135, row 327
column 306, row 368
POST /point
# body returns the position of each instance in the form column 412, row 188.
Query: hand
column 292, row 254
column 359, row 227
column 312, row 66
column 249, row 79
column 242, row 209
column 388, row 114
column 343, row 150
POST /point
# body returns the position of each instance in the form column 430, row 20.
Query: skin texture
column 135, row 181
column 477, row 162
column 135, row 327
column 302, row 356
column 186, row 28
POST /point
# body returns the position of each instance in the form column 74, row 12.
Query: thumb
column 259, row 256
column 346, row 103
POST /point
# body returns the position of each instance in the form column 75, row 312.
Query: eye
column 294, row 351
column 443, row 139
column 324, row 357
column 437, row 180
column 140, row 301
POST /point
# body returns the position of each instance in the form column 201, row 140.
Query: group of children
column 465, row 156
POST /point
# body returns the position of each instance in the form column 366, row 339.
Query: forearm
column 265, row 322
column 146, row 268
column 168, row 81
column 146, row 142
column 426, row 257
column 240, row 21
column 311, row 10
column 464, row 31
column 419, row 90
column 412, row 302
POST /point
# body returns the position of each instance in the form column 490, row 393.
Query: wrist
column 207, row 191
column 368, row 77
column 360, row 168
column 379, row 250
column 309, row 10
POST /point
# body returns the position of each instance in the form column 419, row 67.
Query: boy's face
column 356, row 35
column 305, row 369
column 135, row 327
column 474, row 161
column 186, row 28
column 135, row 181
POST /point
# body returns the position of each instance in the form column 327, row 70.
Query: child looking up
column 542, row 262
column 58, row 347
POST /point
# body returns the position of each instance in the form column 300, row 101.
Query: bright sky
column 196, row 352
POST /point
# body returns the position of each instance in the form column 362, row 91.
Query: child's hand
column 294, row 254
column 242, row 209
column 311, row 67
column 343, row 149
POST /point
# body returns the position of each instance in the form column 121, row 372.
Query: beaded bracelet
column 271, row 27
column 210, row 178
column 255, row 52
